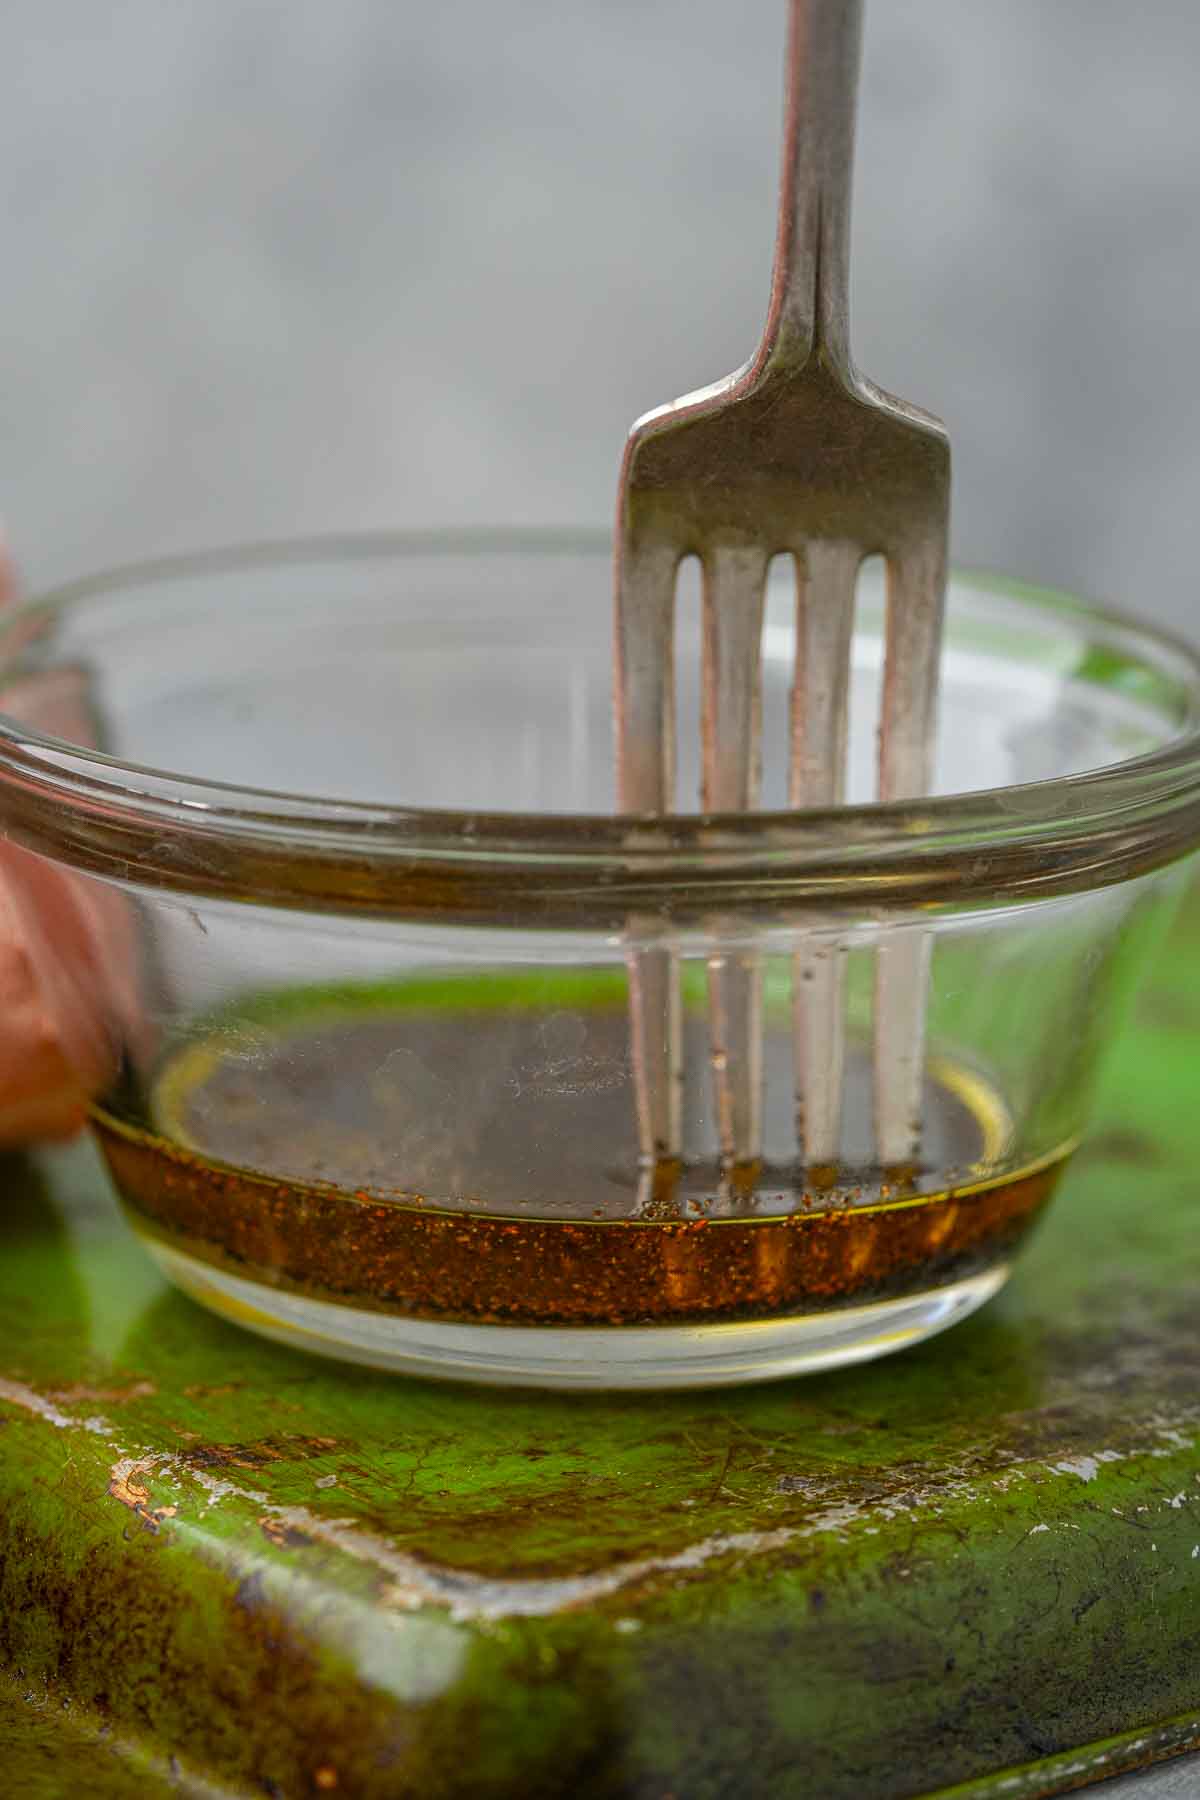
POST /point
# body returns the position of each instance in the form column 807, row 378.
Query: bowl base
column 582, row 1357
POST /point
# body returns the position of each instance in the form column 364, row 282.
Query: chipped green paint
column 973, row 1565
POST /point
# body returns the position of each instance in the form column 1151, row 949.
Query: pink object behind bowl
column 66, row 965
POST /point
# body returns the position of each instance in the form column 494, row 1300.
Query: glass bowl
column 341, row 815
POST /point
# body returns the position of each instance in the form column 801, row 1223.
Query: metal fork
column 796, row 453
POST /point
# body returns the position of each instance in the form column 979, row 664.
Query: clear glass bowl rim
column 162, row 830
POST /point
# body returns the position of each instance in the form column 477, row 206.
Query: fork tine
column 656, row 1033
column 734, row 592
column 645, row 676
column 915, row 594
column 645, row 708
column 819, row 1038
column 916, row 585
column 825, row 579
column 901, row 979
column 736, row 1051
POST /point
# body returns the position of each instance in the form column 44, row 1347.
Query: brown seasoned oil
column 451, row 1165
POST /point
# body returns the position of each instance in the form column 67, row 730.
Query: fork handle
column 809, row 308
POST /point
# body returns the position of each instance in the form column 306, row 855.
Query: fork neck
column 809, row 309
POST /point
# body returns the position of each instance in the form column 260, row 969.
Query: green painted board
column 229, row 1568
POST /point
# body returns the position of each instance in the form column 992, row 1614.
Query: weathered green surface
column 967, row 1565
column 50, row 1749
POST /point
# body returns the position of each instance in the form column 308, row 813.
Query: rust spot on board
column 125, row 1484
column 259, row 1454
column 125, row 1487
column 284, row 1537
column 114, row 1396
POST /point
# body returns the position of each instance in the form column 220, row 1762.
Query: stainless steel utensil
column 796, row 453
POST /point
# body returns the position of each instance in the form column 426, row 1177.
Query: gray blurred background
column 273, row 268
